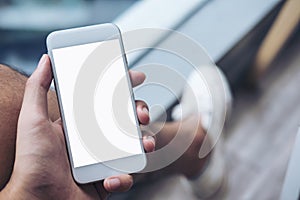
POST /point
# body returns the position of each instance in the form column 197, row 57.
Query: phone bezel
column 79, row 36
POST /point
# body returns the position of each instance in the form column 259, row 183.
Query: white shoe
column 212, row 178
column 213, row 98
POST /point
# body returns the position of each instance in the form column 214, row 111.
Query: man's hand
column 42, row 169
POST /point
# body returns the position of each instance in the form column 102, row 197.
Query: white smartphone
column 96, row 102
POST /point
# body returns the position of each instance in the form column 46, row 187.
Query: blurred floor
column 262, row 130
column 258, row 140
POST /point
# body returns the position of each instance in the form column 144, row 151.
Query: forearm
column 189, row 163
column 165, row 132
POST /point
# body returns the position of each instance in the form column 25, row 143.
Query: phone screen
column 96, row 102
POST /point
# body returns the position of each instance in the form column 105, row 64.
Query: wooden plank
column 282, row 28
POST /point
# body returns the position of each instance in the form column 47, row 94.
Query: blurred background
column 255, row 43
column 24, row 25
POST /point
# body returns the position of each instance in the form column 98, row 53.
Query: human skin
column 41, row 169
column 11, row 94
column 189, row 163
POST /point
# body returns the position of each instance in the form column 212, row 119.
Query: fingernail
column 145, row 110
column 151, row 139
column 42, row 60
column 114, row 183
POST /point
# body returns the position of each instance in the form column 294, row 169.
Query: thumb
column 37, row 86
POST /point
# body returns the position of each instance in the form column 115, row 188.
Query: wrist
column 15, row 190
column 7, row 193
